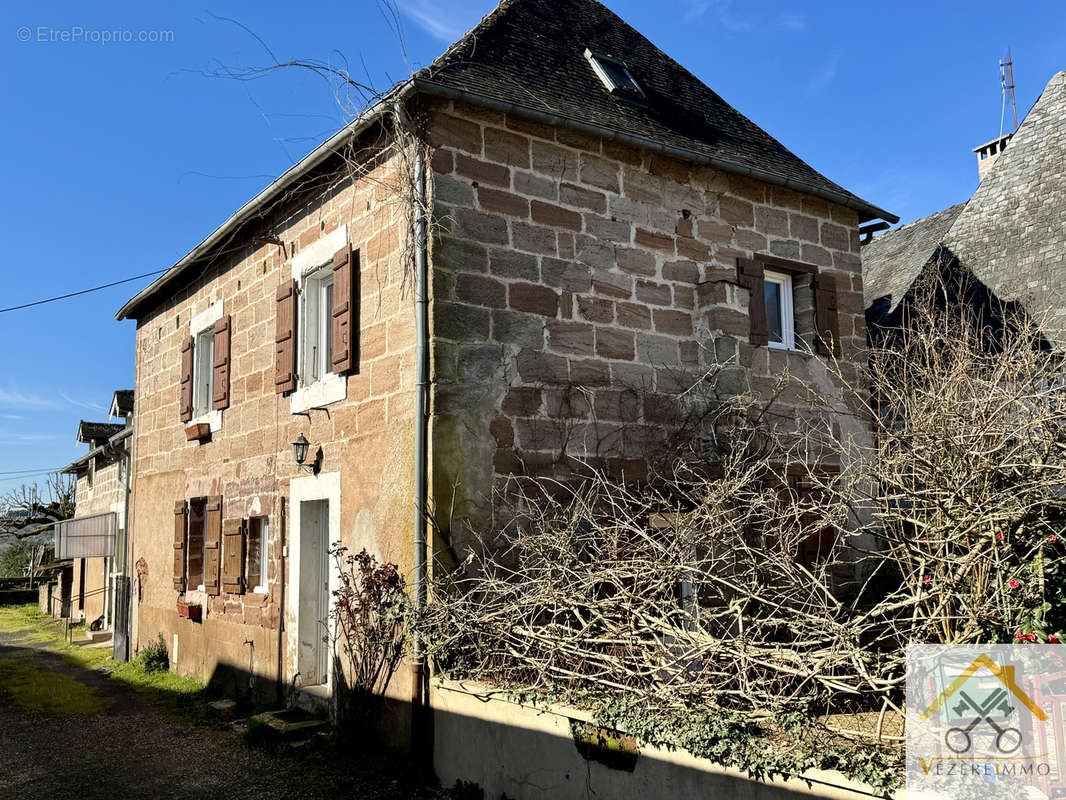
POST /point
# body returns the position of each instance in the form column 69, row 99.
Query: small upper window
column 780, row 310
column 316, row 326
column 203, row 372
column 615, row 76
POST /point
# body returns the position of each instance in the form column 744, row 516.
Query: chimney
column 989, row 153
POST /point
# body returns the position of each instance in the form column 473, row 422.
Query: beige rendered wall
column 106, row 494
column 366, row 438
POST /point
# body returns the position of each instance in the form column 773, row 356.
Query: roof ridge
column 919, row 221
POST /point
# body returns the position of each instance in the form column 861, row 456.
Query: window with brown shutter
column 220, row 398
column 285, row 338
column 825, row 314
column 346, row 311
column 186, row 379
column 179, row 545
column 750, row 275
column 233, row 555
column 212, row 544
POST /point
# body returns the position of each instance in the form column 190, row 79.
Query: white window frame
column 264, row 541
column 312, row 271
column 787, row 308
column 203, row 324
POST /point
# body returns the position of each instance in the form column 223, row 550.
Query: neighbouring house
column 550, row 228
column 1010, row 235
column 95, row 538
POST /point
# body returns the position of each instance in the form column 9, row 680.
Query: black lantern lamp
column 299, row 452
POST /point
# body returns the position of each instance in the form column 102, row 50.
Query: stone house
column 1010, row 235
column 504, row 264
column 95, row 537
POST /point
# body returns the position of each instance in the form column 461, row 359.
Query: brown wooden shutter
column 750, row 275
column 285, row 339
column 346, row 311
column 180, row 515
column 212, row 544
column 235, row 532
column 186, row 379
column 220, row 399
column 826, row 319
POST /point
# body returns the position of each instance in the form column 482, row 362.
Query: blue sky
column 120, row 156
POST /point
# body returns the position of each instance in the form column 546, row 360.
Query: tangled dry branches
column 776, row 563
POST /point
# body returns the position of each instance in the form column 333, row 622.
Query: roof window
column 615, row 76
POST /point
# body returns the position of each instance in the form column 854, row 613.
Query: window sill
column 331, row 389
column 213, row 419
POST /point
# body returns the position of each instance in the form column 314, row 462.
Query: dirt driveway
column 131, row 749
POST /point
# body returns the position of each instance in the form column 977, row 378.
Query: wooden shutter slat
column 826, row 318
column 751, row 275
column 285, row 338
column 234, row 535
column 186, row 379
column 346, row 283
column 212, row 544
column 221, row 366
column 180, row 511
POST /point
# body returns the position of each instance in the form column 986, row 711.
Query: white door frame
column 326, row 486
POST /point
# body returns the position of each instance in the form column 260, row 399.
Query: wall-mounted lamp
column 299, row 452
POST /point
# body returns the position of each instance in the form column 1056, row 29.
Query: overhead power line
column 83, row 291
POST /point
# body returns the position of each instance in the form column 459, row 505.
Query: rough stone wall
column 580, row 284
column 1012, row 232
column 249, row 462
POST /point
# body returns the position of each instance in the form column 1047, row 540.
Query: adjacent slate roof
column 122, row 403
column 530, row 54
column 1010, row 235
column 893, row 260
column 97, row 431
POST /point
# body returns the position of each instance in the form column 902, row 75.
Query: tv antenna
column 1006, row 81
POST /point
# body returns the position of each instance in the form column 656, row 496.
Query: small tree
column 368, row 632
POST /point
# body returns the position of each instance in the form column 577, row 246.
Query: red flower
column 965, row 542
column 1053, row 538
column 1019, row 636
column 1014, row 583
column 1052, row 638
column 999, row 535
column 1030, row 637
column 928, row 579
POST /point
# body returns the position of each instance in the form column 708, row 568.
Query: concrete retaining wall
column 524, row 752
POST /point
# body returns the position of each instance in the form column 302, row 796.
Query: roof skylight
column 615, row 76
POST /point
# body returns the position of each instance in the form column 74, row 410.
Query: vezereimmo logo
column 985, row 721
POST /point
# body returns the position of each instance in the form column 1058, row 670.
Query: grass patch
column 176, row 695
column 88, row 657
column 44, row 691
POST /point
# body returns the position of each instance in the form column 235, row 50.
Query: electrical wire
column 83, row 291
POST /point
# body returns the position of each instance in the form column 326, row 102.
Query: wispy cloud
column 435, row 18
column 723, row 10
column 28, row 401
column 793, row 21
column 83, row 403
column 7, row 437
column 823, row 75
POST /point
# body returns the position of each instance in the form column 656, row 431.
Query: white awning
column 87, row 537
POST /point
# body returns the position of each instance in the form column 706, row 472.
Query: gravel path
column 132, row 750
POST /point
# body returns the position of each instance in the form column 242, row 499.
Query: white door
column 314, row 592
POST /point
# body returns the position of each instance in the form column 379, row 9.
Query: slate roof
column 97, row 431
column 122, row 403
column 892, row 261
column 530, row 54
column 528, row 57
column 1010, row 235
